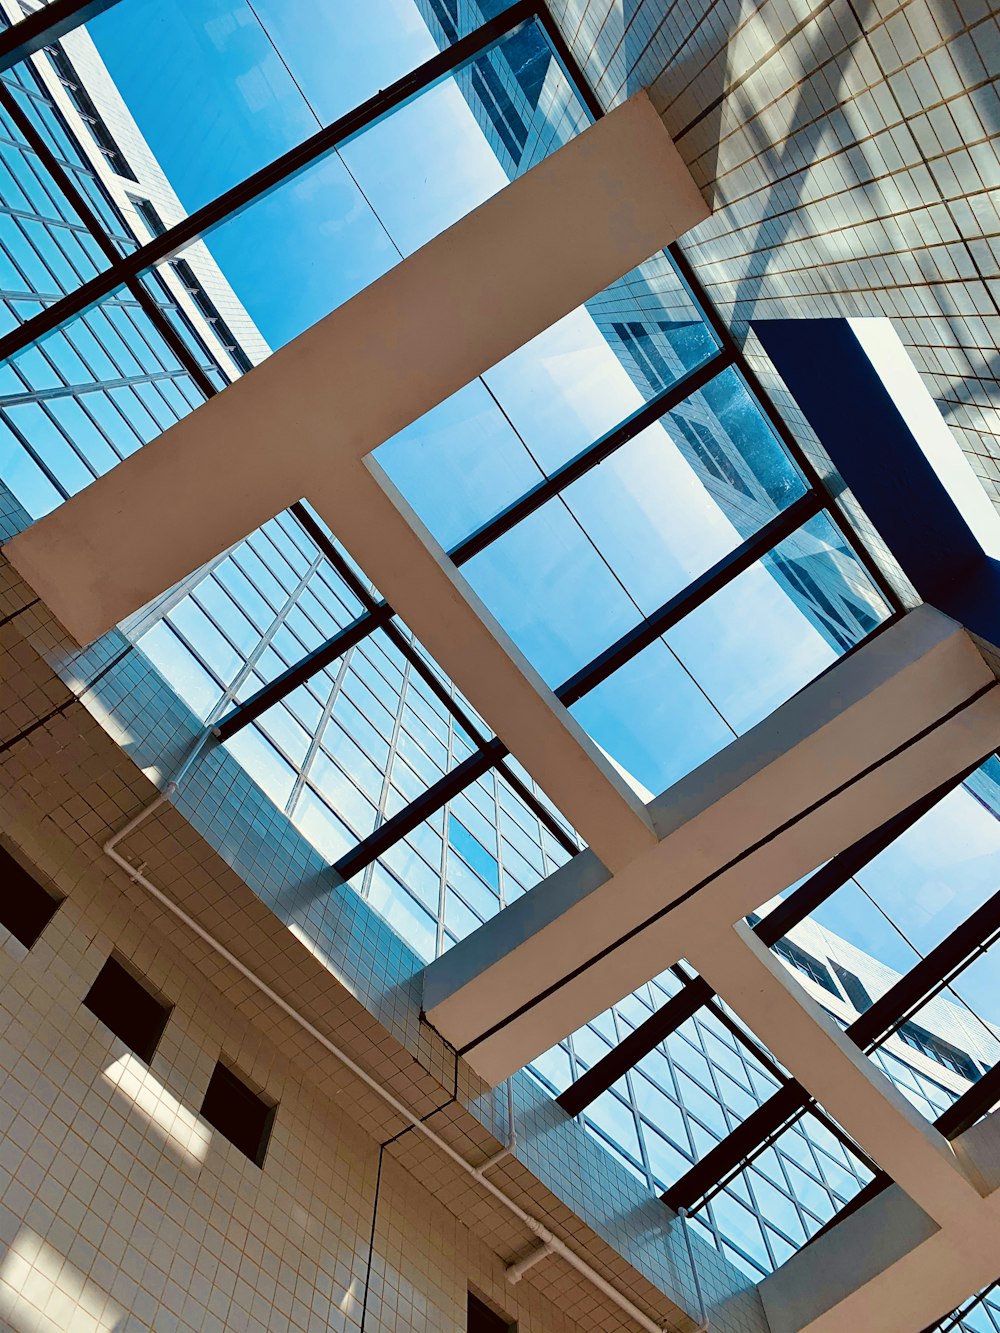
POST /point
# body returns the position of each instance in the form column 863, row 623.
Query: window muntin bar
column 540, row 407
column 673, row 705
column 186, row 229
column 46, row 25
column 317, row 240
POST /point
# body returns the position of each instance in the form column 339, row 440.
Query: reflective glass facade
column 639, row 524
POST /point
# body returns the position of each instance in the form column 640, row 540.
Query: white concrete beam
column 846, row 754
column 303, row 422
column 391, row 544
column 889, row 1267
column 577, row 221
column 850, row 1088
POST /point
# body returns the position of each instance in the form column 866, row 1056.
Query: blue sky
column 215, row 102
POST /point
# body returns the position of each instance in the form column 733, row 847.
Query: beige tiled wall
column 849, row 150
column 121, row 1209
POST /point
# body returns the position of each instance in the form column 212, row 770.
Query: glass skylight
column 616, row 476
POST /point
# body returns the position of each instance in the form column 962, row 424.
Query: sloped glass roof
column 619, row 492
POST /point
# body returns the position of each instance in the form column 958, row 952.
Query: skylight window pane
column 897, row 909
column 318, row 239
column 797, row 1185
column 219, row 88
column 248, row 619
column 108, row 359
column 775, row 627
column 734, row 659
column 907, row 899
column 574, row 576
column 548, row 401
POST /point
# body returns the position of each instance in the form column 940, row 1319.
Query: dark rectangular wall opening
column 123, row 1004
column 239, row 1113
column 25, row 907
column 483, row 1319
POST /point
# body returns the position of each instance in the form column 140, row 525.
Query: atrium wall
column 849, row 152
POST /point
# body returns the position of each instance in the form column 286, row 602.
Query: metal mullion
column 74, row 390
column 568, row 61
column 778, row 423
column 383, row 800
column 254, row 657
column 633, row 1107
column 234, row 554
column 168, row 334
column 299, row 672
column 81, row 207
column 640, row 1042
column 40, row 297
column 315, row 743
column 438, row 794
column 867, row 1032
column 45, row 26
column 56, row 223
column 971, row 1106
column 41, row 400
column 30, row 400
column 57, row 485
column 733, row 1153
column 500, row 816
column 590, row 457
column 227, row 689
column 44, row 179
column 99, row 386
column 425, row 672
column 928, row 977
column 763, row 1057
column 446, row 851
column 696, row 593
column 127, row 269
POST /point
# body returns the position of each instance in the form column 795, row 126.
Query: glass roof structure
column 188, row 187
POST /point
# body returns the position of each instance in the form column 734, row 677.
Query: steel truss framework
column 928, row 977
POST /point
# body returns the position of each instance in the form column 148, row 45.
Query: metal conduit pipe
column 551, row 1243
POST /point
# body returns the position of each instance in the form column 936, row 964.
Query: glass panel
column 735, row 659
column 218, row 88
column 797, row 1185
column 546, row 402
column 580, row 572
column 74, row 405
column 300, row 252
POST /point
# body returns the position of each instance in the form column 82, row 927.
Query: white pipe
column 538, row 1229
column 519, row 1267
column 508, row 1149
column 704, row 1326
